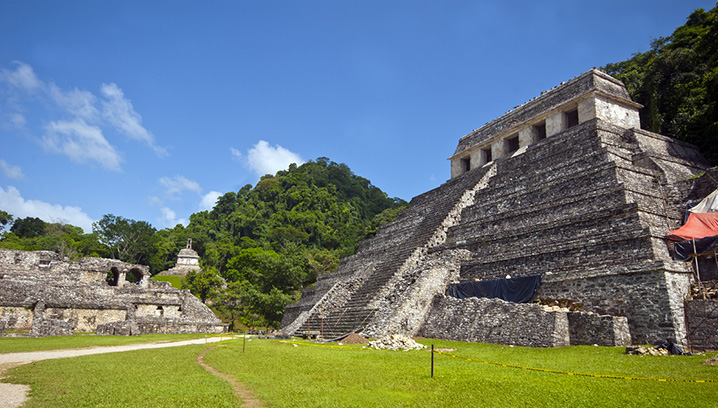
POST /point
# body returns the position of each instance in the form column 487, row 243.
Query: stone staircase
column 396, row 246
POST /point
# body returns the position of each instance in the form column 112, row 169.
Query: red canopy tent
column 699, row 225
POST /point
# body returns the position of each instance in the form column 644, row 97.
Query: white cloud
column 83, row 118
column 236, row 153
column 209, row 200
column 12, row 201
column 174, row 188
column 17, row 120
column 178, row 184
column 82, row 143
column 75, row 102
column 22, row 78
column 119, row 112
column 264, row 159
column 11, row 171
column 169, row 218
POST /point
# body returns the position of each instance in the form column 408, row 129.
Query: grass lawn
column 161, row 378
column 175, row 281
column 283, row 375
column 23, row 344
column 309, row 376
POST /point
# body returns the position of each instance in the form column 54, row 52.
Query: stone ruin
column 566, row 186
column 48, row 295
column 187, row 260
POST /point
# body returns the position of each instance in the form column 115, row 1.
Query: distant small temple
column 187, row 260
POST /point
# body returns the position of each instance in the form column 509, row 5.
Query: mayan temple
column 566, row 191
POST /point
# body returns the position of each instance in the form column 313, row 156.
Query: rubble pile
column 396, row 342
column 643, row 351
column 709, row 289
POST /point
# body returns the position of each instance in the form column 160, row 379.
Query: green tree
column 28, row 227
column 5, row 219
column 677, row 82
column 128, row 240
column 203, row 284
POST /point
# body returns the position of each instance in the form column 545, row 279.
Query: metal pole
column 245, row 342
column 432, row 361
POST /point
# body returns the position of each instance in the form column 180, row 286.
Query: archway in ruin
column 113, row 277
column 134, row 276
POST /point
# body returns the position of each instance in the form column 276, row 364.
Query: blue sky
column 151, row 109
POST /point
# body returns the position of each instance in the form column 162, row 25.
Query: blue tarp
column 683, row 251
column 517, row 290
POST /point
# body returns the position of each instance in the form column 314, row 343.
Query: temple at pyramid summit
column 551, row 231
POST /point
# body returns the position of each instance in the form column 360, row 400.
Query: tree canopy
column 270, row 241
column 677, row 82
column 259, row 246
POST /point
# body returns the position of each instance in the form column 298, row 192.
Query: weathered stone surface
column 39, row 289
column 583, row 198
column 603, row 330
column 119, row 328
column 702, row 322
column 51, row 327
column 495, row 321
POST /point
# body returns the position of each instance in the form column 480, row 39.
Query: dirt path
column 244, row 393
column 14, row 395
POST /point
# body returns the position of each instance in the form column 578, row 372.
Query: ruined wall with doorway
column 40, row 289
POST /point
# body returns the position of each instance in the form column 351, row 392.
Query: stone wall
column 85, row 320
column 16, row 318
column 603, row 330
column 495, row 321
column 652, row 301
column 702, row 322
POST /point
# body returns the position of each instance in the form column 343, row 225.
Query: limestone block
column 555, row 123
column 702, row 321
column 527, row 136
column 495, row 321
column 603, row 330
column 16, row 318
column 50, row 327
column 619, row 114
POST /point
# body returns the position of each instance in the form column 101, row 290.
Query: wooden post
column 245, row 342
column 432, row 361
column 698, row 270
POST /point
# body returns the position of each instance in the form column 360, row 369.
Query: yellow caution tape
column 618, row 377
column 544, row 370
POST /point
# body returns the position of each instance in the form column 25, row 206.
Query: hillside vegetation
column 677, row 83
column 259, row 246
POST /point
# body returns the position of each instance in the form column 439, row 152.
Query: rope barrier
column 543, row 370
